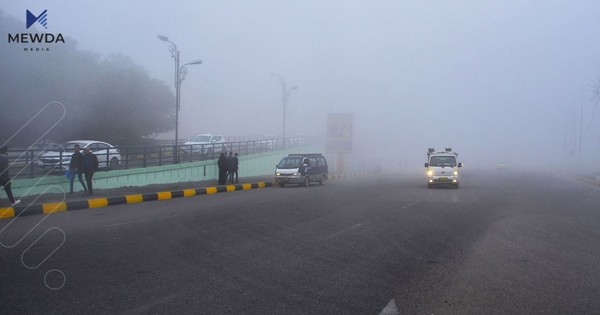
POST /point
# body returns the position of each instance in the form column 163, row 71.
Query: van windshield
column 290, row 162
column 443, row 161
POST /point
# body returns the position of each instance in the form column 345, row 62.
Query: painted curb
column 57, row 207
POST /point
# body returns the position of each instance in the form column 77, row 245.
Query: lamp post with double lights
column 180, row 73
column 285, row 96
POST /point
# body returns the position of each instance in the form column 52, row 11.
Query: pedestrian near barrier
column 89, row 164
column 230, row 167
column 222, row 164
column 76, row 168
column 5, row 177
column 235, row 164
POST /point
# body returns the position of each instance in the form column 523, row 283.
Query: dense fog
column 510, row 82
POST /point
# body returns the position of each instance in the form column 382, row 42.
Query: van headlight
column 430, row 173
column 277, row 174
column 295, row 174
column 455, row 173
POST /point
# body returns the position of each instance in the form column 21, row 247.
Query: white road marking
column 390, row 309
column 412, row 204
column 343, row 231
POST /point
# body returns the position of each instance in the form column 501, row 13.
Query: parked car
column 267, row 142
column 302, row 169
column 204, row 143
column 60, row 157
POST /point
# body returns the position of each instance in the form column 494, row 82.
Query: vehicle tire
column 322, row 180
column 429, row 186
column 455, row 186
column 281, row 184
column 306, row 181
column 114, row 163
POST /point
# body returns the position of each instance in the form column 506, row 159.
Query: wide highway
column 509, row 242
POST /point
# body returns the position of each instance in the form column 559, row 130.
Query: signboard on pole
column 339, row 132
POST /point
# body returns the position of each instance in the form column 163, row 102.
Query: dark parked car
column 302, row 169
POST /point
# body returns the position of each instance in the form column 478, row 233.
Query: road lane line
column 343, row 231
column 390, row 309
column 412, row 204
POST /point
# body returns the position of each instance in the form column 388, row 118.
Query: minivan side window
column 321, row 161
column 313, row 162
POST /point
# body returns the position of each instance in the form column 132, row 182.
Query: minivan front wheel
column 322, row 180
column 306, row 181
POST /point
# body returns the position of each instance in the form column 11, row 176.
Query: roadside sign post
column 339, row 136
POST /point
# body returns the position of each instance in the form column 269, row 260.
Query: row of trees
column 110, row 98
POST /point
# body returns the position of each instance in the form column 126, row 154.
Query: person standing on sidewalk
column 89, row 165
column 76, row 169
column 230, row 167
column 4, row 177
column 222, row 164
column 235, row 165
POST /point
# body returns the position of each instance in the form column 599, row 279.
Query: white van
column 442, row 168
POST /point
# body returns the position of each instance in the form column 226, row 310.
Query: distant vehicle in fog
column 204, row 143
column 59, row 157
column 442, row 168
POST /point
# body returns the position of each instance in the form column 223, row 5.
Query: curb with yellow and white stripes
column 58, row 207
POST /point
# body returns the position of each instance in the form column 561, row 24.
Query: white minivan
column 442, row 168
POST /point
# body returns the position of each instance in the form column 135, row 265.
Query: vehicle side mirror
column 459, row 164
column 426, row 164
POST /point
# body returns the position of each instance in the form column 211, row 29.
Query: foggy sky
column 496, row 80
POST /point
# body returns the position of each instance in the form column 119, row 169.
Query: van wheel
column 306, row 181
column 455, row 186
column 322, row 180
column 429, row 185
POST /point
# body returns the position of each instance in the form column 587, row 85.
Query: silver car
column 60, row 157
column 204, row 143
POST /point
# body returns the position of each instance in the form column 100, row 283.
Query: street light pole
column 285, row 95
column 180, row 73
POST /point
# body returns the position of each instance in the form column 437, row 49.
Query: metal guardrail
column 24, row 162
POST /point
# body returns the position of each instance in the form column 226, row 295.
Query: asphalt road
column 505, row 242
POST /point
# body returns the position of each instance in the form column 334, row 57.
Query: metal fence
column 29, row 163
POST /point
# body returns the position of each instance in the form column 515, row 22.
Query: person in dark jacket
column 235, row 165
column 89, row 165
column 230, row 167
column 4, row 177
column 75, row 167
column 222, row 164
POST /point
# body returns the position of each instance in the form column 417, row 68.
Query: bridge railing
column 26, row 163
